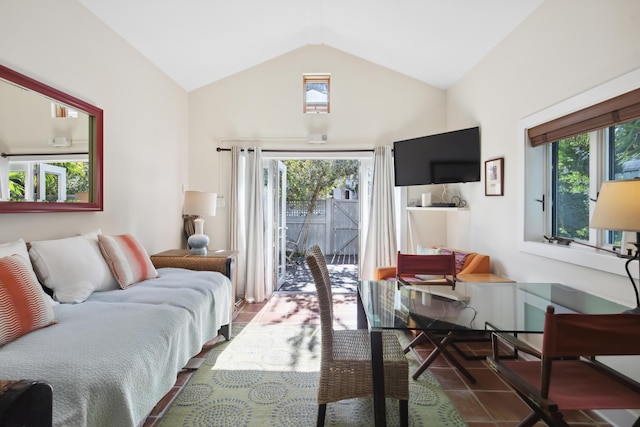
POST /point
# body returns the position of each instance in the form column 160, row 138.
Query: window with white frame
column 568, row 150
column 583, row 149
column 316, row 93
column 578, row 165
column 62, row 111
column 51, row 181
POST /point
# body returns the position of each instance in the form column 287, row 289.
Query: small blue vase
column 198, row 244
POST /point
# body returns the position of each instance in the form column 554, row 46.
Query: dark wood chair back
column 565, row 374
column 410, row 265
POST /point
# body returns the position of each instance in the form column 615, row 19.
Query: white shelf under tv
column 432, row 225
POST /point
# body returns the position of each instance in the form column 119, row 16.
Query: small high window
column 62, row 111
column 316, row 93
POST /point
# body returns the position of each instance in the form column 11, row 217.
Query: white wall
column 370, row 106
column 564, row 48
column 145, row 121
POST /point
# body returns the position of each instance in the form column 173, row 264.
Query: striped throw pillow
column 127, row 259
column 23, row 307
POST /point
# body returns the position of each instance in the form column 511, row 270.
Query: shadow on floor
column 343, row 272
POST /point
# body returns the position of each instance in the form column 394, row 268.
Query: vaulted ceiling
column 197, row 42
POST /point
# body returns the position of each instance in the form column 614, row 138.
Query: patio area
column 343, row 270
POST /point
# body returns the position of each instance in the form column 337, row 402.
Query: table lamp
column 618, row 208
column 198, row 204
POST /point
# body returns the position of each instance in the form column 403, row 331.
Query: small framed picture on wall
column 494, row 177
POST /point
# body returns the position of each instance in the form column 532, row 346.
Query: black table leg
column 377, row 372
column 441, row 348
column 362, row 315
column 377, row 366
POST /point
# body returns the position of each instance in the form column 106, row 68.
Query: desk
column 505, row 307
column 483, row 277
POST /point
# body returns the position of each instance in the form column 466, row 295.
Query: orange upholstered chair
column 565, row 375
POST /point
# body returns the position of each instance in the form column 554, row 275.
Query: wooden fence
column 333, row 226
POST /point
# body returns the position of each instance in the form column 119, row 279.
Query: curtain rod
column 39, row 154
column 304, row 151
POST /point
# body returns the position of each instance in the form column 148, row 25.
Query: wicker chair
column 345, row 370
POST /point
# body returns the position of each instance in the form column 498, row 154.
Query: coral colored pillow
column 19, row 247
column 127, row 259
column 23, row 307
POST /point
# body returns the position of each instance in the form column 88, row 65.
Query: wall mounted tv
column 445, row 158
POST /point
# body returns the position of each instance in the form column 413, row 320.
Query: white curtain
column 4, row 178
column 380, row 247
column 247, row 223
column 236, row 229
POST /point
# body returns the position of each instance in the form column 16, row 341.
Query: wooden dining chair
column 565, row 375
column 345, row 368
column 434, row 269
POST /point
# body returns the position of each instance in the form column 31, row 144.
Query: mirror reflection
column 46, row 158
column 50, row 148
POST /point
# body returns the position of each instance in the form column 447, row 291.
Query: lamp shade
column 200, row 203
column 618, row 206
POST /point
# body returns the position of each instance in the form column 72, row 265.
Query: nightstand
column 222, row 261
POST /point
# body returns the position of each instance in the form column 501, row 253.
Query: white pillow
column 73, row 267
column 425, row 250
column 19, row 247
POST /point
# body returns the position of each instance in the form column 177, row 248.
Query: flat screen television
column 444, row 158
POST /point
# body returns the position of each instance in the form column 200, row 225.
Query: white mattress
column 111, row 358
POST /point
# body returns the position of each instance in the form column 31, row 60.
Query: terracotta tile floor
column 487, row 403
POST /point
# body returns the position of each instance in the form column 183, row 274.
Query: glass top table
column 470, row 307
column 507, row 307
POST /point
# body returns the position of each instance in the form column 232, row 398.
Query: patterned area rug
column 267, row 375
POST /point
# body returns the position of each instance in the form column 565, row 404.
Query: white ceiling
column 197, row 42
